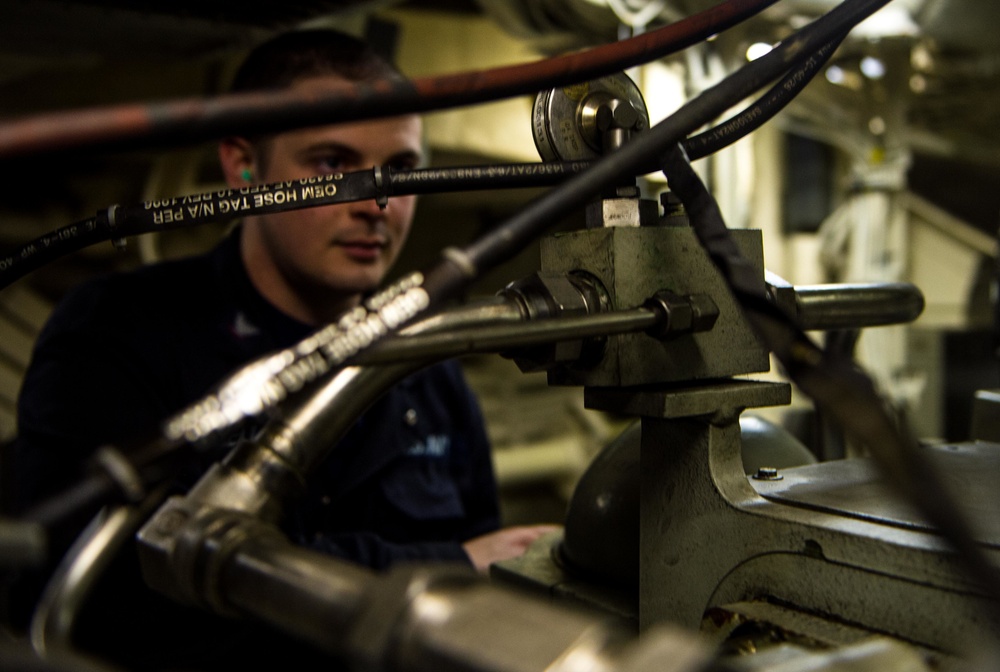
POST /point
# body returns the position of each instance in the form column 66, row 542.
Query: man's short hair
column 301, row 54
column 289, row 57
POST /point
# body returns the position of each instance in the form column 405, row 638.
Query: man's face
column 334, row 253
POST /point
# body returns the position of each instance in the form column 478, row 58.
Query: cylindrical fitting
column 683, row 314
column 847, row 306
column 553, row 295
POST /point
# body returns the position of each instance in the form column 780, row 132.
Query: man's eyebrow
column 413, row 155
column 330, row 146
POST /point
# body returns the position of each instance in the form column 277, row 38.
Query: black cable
column 118, row 222
column 834, row 382
column 637, row 157
column 51, row 246
column 198, row 209
column 469, row 178
column 764, row 108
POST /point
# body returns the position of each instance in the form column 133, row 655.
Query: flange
column 565, row 121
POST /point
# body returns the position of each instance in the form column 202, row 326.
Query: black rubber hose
column 640, row 157
column 35, row 254
column 764, row 108
column 218, row 206
column 197, row 209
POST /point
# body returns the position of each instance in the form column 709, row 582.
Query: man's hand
column 504, row 544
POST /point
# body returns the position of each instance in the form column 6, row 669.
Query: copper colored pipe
column 192, row 120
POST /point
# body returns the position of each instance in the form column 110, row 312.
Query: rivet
column 767, row 474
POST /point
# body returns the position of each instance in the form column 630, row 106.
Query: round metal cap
column 563, row 120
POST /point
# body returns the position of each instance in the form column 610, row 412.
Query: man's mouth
column 363, row 250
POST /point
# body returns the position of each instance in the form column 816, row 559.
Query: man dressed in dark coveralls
column 412, row 481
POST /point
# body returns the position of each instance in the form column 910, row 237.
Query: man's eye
column 331, row 164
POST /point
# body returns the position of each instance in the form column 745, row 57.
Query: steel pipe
column 849, row 306
column 846, row 305
column 411, row 619
column 313, row 596
column 500, row 337
column 256, row 477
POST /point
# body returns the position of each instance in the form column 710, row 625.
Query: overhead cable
column 223, row 205
column 193, row 120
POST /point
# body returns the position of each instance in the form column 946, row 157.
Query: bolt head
column 767, row 474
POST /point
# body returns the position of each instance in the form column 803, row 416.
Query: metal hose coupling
column 546, row 295
column 681, row 314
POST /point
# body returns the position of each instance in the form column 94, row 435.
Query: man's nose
column 368, row 209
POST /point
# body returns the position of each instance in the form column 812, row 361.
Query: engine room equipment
column 633, row 308
column 680, row 381
column 818, row 553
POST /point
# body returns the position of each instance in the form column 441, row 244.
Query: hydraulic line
column 498, row 245
column 155, row 460
column 197, row 209
column 53, row 245
column 194, row 120
column 764, row 108
column 834, row 382
column 117, row 222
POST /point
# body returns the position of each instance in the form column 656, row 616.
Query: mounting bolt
column 682, row 314
column 767, row 474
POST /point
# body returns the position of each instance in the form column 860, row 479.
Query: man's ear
column 238, row 161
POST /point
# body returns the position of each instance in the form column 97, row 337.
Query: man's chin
column 362, row 286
